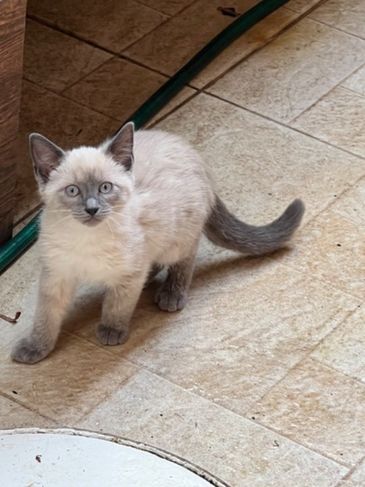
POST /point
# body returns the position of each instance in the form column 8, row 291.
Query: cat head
column 88, row 183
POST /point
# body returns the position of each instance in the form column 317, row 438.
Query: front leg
column 118, row 307
column 53, row 300
column 173, row 294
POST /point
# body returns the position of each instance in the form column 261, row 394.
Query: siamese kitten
column 116, row 213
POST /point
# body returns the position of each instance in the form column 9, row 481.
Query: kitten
column 116, row 213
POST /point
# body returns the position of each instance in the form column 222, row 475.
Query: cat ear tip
column 34, row 136
column 130, row 124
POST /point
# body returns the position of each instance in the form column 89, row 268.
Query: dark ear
column 46, row 156
column 121, row 146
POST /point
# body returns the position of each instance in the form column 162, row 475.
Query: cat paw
column 171, row 301
column 108, row 335
column 28, row 351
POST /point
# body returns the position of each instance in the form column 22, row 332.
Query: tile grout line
column 271, row 39
column 157, row 26
column 321, row 280
column 26, row 406
column 142, row 4
column 174, row 109
column 293, row 268
column 334, row 202
column 358, row 69
column 47, row 23
column 81, row 339
column 351, row 34
column 107, row 395
column 229, row 22
column 330, row 368
column 303, row 445
column 310, row 10
column 305, row 356
column 53, row 25
column 63, row 95
column 349, row 90
column 171, row 16
column 310, row 221
column 282, row 124
column 124, row 57
column 93, row 44
column 316, row 7
column 350, row 472
column 327, row 283
column 82, row 77
column 70, row 99
column 107, row 350
column 336, row 86
column 337, row 371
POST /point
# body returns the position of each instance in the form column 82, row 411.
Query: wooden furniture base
column 12, row 26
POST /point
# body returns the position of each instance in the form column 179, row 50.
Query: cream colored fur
column 166, row 200
column 159, row 206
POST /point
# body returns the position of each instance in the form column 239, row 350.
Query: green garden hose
column 12, row 249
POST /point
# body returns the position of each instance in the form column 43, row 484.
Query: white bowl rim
column 138, row 445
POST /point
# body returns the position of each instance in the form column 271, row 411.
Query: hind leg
column 173, row 294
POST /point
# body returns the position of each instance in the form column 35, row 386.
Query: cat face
column 87, row 183
column 92, row 195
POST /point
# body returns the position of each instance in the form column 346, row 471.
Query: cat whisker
column 109, row 227
column 110, row 219
column 58, row 211
column 61, row 220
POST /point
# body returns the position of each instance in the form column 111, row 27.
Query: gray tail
column 224, row 229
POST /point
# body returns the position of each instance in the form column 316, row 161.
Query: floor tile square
column 110, row 24
column 338, row 118
column 293, row 71
column 173, row 43
column 344, row 349
column 320, row 408
column 343, row 15
column 55, row 60
column 13, row 415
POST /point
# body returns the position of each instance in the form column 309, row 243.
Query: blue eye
column 72, row 190
column 105, row 188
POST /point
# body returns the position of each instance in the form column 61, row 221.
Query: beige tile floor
column 261, row 379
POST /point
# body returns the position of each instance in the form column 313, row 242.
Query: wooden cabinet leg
column 12, row 26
